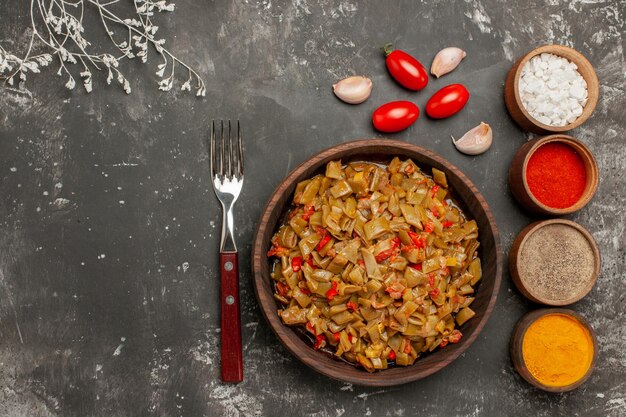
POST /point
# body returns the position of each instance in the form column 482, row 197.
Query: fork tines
column 226, row 161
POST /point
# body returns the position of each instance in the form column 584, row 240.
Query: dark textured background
column 136, row 332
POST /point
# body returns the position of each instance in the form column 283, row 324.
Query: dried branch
column 62, row 36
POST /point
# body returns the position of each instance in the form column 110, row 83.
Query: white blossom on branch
column 57, row 27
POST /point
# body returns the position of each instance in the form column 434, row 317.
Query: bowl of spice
column 554, row 262
column 551, row 89
column 553, row 175
column 554, row 349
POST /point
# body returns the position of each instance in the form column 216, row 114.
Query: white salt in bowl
column 514, row 103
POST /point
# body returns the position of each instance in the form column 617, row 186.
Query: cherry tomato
column 447, row 101
column 405, row 69
column 395, row 116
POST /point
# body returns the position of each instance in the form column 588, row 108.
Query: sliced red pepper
column 320, row 339
column 434, row 190
column 282, row 288
column 361, row 263
column 352, row 306
column 320, row 230
column 447, row 224
column 310, row 327
column 296, row 263
column 416, row 266
column 305, row 291
column 277, row 251
column 395, row 242
column 443, row 343
column 323, row 242
column 392, row 355
column 407, row 346
column 350, row 338
column 416, row 239
column 458, row 299
column 309, row 260
column 434, row 211
column 384, row 255
column 434, row 293
column 455, row 336
column 336, row 337
column 429, row 227
column 308, row 212
column 332, row 292
column 431, row 280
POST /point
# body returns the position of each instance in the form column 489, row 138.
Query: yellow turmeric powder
column 557, row 350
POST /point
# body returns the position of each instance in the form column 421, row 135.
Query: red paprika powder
column 556, row 175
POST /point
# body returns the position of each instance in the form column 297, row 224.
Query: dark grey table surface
column 110, row 228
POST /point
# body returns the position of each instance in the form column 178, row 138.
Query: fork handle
column 232, row 362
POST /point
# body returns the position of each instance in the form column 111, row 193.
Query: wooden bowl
column 515, row 262
column 514, row 103
column 379, row 150
column 519, row 185
column 518, row 337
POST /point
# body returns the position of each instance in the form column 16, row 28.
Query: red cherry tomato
column 447, row 101
column 395, row 116
column 405, row 69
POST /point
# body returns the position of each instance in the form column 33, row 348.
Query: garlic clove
column 353, row 90
column 446, row 60
column 476, row 140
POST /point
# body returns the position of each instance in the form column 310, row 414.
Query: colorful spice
column 557, row 350
column 557, row 263
column 556, row 175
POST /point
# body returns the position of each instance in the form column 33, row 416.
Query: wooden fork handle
column 232, row 361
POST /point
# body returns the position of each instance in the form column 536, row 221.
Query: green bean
column 388, row 264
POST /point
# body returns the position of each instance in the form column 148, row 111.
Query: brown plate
column 519, row 185
column 518, row 337
column 514, row 102
column 473, row 204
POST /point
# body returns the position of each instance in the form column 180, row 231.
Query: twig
column 62, row 36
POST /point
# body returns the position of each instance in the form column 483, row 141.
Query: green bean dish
column 376, row 263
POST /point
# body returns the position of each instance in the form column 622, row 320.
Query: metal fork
column 227, row 172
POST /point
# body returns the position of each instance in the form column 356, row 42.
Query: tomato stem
column 387, row 49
